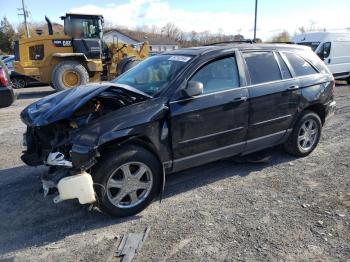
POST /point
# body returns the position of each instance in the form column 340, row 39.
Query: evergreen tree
column 7, row 34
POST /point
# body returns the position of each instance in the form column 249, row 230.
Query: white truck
column 332, row 48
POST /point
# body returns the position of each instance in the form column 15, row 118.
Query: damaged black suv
column 113, row 143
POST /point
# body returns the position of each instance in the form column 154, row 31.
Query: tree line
column 8, row 33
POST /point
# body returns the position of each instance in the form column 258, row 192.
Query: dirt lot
column 290, row 209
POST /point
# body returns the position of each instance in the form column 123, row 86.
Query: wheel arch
column 75, row 56
column 137, row 140
column 319, row 109
column 70, row 57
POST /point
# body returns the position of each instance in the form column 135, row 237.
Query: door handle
column 293, row 87
column 241, row 98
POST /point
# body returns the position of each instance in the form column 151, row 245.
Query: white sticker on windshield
column 179, row 58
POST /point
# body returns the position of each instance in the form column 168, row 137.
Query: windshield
column 313, row 45
column 153, row 74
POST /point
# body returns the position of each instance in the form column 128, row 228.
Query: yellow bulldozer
column 76, row 57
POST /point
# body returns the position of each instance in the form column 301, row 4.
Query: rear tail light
column 3, row 79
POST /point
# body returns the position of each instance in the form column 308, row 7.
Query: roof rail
column 232, row 41
column 283, row 43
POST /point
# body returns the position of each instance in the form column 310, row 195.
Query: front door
column 212, row 125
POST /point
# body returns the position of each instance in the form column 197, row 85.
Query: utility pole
column 256, row 14
column 25, row 15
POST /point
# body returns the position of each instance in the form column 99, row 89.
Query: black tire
column 18, row 82
column 107, row 167
column 292, row 146
column 69, row 66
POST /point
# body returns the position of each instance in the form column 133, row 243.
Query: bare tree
column 281, row 37
column 170, row 30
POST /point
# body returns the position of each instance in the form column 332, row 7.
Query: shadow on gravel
column 35, row 94
column 28, row 219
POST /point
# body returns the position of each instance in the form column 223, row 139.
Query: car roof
column 200, row 50
column 9, row 58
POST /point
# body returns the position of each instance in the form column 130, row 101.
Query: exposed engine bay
column 51, row 144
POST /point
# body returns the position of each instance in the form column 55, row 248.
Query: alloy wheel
column 129, row 185
column 307, row 135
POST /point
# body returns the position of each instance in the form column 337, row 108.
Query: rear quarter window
column 300, row 66
column 316, row 61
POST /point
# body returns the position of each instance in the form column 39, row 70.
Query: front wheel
column 126, row 180
column 69, row 74
column 305, row 136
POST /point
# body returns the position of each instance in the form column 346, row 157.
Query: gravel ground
column 289, row 209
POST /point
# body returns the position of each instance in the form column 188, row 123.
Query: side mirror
column 193, row 88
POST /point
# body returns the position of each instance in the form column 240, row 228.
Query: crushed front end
column 53, row 125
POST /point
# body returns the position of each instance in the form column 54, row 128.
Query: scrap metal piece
column 131, row 244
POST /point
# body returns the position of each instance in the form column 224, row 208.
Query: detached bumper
column 330, row 109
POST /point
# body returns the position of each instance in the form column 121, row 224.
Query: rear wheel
column 69, row 74
column 126, row 180
column 305, row 136
column 18, row 82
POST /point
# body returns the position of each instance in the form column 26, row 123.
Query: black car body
column 199, row 105
column 7, row 96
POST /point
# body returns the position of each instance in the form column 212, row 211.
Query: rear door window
column 262, row 67
column 300, row 66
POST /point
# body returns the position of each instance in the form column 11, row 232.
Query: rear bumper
column 330, row 109
column 7, row 96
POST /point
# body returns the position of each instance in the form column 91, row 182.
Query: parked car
column 332, row 48
column 2, row 57
column 174, row 111
column 18, row 80
column 7, row 97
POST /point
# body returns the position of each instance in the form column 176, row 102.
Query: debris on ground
column 130, row 244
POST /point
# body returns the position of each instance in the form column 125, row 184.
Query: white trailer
column 332, row 48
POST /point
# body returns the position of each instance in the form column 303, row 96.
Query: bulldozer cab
column 83, row 26
column 86, row 32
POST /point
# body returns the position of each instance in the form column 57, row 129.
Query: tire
column 301, row 143
column 111, row 183
column 18, row 82
column 69, row 74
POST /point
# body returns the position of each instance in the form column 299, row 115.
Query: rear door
column 212, row 125
column 274, row 98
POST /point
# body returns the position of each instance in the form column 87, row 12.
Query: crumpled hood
column 63, row 104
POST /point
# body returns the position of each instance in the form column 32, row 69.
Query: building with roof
column 157, row 43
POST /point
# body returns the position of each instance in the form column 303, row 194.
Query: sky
column 226, row 16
